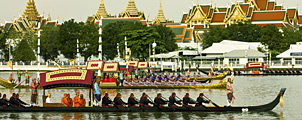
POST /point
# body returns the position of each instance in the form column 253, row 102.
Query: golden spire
column 31, row 11
column 131, row 8
column 160, row 16
column 101, row 11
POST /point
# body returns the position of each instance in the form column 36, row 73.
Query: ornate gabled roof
column 160, row 15
column 31, row 11
column 101, row 11
column 238, row 12
column 292, row 13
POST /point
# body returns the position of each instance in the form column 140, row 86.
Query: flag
column 270, row 54
column 72, row 61
column 10, row 64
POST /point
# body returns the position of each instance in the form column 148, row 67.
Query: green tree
column 139, row 41
column 272, row 38
column 88, row 39
column 49, row 42
column 214, row 35
column 167, row 36
column 31, row 38
column 113, row 33
column 68, row 35
column 24, row 52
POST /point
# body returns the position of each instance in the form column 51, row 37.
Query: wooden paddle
column 211, row 101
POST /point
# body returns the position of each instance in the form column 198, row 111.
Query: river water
column 248, row 90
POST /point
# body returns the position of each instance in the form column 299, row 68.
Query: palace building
column 30, row 20
column 259, row 12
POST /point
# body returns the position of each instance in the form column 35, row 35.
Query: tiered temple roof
column 31, row 11
column 101, row 11
column 160, row 18
column 30, row 20
column 132, row 11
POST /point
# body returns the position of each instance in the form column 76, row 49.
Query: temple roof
column 101, row 11
column 300, row 19
column 160, row 16
column 131, row 8
column 269, row 15
column 218, row 17
column 31, row 11
column 262, row 4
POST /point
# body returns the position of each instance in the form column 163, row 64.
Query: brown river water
column 248, row 90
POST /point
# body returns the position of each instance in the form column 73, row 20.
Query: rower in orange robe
column 76, row 100
column 69, row 101
column 64, row 100
column 82, row 101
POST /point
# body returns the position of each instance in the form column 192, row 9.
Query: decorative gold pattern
column 82, row 77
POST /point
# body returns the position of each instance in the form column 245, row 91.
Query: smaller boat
column 220, row 85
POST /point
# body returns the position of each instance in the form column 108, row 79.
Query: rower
column 201, row 100
column 187, row 100
column 132, row 102
column 188, row 73
column 118, row 100
column 229, row 91
column 3, row 101
column 106, row 101
column 144, row 101
column 64, row 100
column 48, row 99
column 69, row 100
column 19, row 101
column 12, row 100
column 76, row 100
column 158, row 101
column 173, row 101
column 82, row 101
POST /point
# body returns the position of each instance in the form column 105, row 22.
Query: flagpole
column 39, row 34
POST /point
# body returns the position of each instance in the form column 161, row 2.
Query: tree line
column 63, row 40
column 276, row 40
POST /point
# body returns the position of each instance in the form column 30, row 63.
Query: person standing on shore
column 229, row 92
column 19, row 73
column 27, row 78
column 34, row 91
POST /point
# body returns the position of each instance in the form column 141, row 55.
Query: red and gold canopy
column 66, row 78
column 133, row 63
column 111, row 67
column 143, row 65
column 94, row 65
column 255, row 65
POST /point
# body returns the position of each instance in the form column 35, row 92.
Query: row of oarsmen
column 146, row 101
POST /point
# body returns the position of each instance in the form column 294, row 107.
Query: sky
column 81, row 9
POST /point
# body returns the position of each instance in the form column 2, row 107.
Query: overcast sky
column 81, row 9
